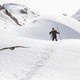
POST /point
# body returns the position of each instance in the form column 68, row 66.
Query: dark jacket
column 53, row 33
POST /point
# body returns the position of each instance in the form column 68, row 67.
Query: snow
column 63, row 64
column 77, row 15
column 40, row 27
column 15, row 9
column 22, row 13
column 21, row 62
column 39, row 58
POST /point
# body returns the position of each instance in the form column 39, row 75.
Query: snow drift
column 18, row 13
column 40, row 27
column 27, row 52
column 77, row 15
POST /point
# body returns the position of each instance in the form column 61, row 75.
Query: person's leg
column 56, row 38
column 53, row 39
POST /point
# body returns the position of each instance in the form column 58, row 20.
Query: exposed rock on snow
column 13, row 47
column 18, row 13
column 27, row 52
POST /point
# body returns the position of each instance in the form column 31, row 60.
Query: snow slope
column 77, row 15
column 21, row 62
column 27, row 52
column 40, row 27
column 20, row 12
column 63, row 64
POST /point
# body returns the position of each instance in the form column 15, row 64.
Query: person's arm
column 50, row 32
column 57, row 32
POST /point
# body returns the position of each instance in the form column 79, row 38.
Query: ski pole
column 50, row 37
column 59, row 33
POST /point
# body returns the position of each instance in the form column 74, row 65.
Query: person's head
column 52, row 28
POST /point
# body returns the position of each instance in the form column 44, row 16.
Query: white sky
column 49, row 7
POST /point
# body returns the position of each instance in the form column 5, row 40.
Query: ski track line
column 44, row 55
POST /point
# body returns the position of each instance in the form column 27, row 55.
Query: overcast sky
column 50, row 7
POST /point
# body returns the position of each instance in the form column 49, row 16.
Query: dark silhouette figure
column 53, row 34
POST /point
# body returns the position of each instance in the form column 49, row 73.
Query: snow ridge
column 40, row 62
column 77, row 15
column 27, row 52
column 18, row 13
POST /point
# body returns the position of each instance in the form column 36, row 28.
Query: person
column 53, row 34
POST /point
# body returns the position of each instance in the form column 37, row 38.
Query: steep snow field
column 27, row 52
column 22, row 62
column 21, row 13
column 77, row 15
column 63, row 64
column 40, row 27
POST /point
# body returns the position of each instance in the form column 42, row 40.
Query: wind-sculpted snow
column 27, row 52
column 17, row 8
column 77, row 15
column 63, row 64
column 22, row 62
column 18, row 13
column 40, row 28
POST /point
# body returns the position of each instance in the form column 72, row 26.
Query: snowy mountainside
column 77, row 15
column 22, row 62
column 27, row 52
column 40, row 27
column 63, row 64
column 18, row 13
